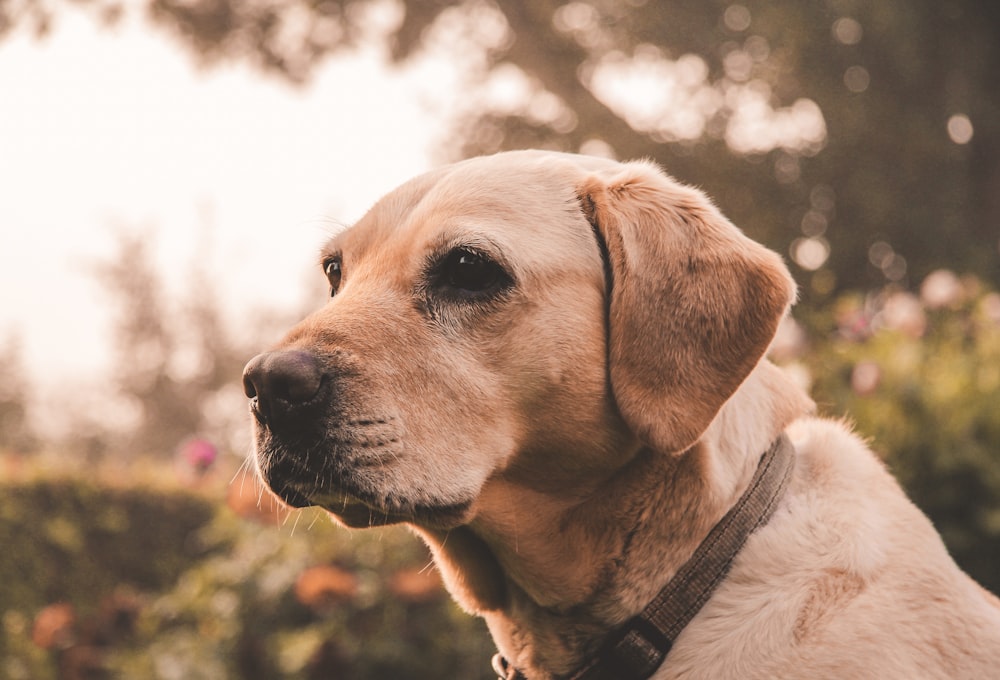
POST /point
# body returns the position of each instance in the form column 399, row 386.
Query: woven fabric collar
column 635, row 650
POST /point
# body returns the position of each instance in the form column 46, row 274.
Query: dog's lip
column 340, row 495
column 356, row 513
column 350, row 510
column 294, row 498
column 343, row 503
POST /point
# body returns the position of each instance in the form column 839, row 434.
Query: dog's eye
column 468, row 272
column 332, row 269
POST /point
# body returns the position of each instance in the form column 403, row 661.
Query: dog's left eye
column 332, row 269
column 471, row 273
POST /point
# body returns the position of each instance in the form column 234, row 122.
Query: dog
column 552, row 367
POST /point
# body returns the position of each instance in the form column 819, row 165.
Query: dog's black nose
column 278, row 382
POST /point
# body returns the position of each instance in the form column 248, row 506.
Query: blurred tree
column 16, row 432
column 861, row 138
column 170, row 364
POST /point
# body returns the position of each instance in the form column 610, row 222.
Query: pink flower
column 865, row 378
column 199, row 454
column 903, row 312
column 940, row 289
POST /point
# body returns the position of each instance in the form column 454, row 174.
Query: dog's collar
column 635, row 650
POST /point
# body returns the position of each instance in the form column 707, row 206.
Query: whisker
column 243, row 466
column 313, row 522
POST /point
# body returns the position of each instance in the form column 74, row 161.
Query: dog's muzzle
column 284, row 388
column 310, row 453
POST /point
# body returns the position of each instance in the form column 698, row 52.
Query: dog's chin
column 351, row 498
column 357, row 514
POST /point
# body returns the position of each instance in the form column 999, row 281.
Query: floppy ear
column 693, row 302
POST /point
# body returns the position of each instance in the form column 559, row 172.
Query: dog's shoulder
column 848, row 579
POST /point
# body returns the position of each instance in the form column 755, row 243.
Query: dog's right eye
column 332, row 268
column 471, row 274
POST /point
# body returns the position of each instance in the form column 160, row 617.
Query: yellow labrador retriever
column 550, row 366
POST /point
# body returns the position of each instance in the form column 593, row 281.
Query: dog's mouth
column 355, row 504
column 355, row 513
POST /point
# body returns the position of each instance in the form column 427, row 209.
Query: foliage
column 137, row 582
column 859, row 137
column 106, row 533
column 312, row 603
column 15, row 429
column 71, row 539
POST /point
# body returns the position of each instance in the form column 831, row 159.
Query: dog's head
column 530, row 315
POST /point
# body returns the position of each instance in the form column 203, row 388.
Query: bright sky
column 101, row 131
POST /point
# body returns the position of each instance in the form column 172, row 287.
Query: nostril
column 278, row 382
column 293, row 376
column 248, row 388
column 251, row 374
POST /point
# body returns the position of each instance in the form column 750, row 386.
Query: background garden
column 861, row 140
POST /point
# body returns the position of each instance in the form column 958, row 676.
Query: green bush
column 80, row 542
column 243, row 612
column 168, row 584
column 74, row 540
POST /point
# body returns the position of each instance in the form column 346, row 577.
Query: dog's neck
column 552, row 575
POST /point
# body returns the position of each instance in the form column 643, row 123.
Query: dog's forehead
column 525, row 205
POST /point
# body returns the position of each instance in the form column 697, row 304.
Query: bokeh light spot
column 810, row 253
column 856, row 79
column 847, row 31
column 736, row 18
column 960, row 128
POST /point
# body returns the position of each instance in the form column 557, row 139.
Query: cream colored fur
column 594, row 436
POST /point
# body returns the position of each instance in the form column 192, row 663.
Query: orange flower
column 322, row 586
column 417, row 586
column 55, row 626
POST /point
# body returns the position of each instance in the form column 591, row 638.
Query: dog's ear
column 693, row 302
